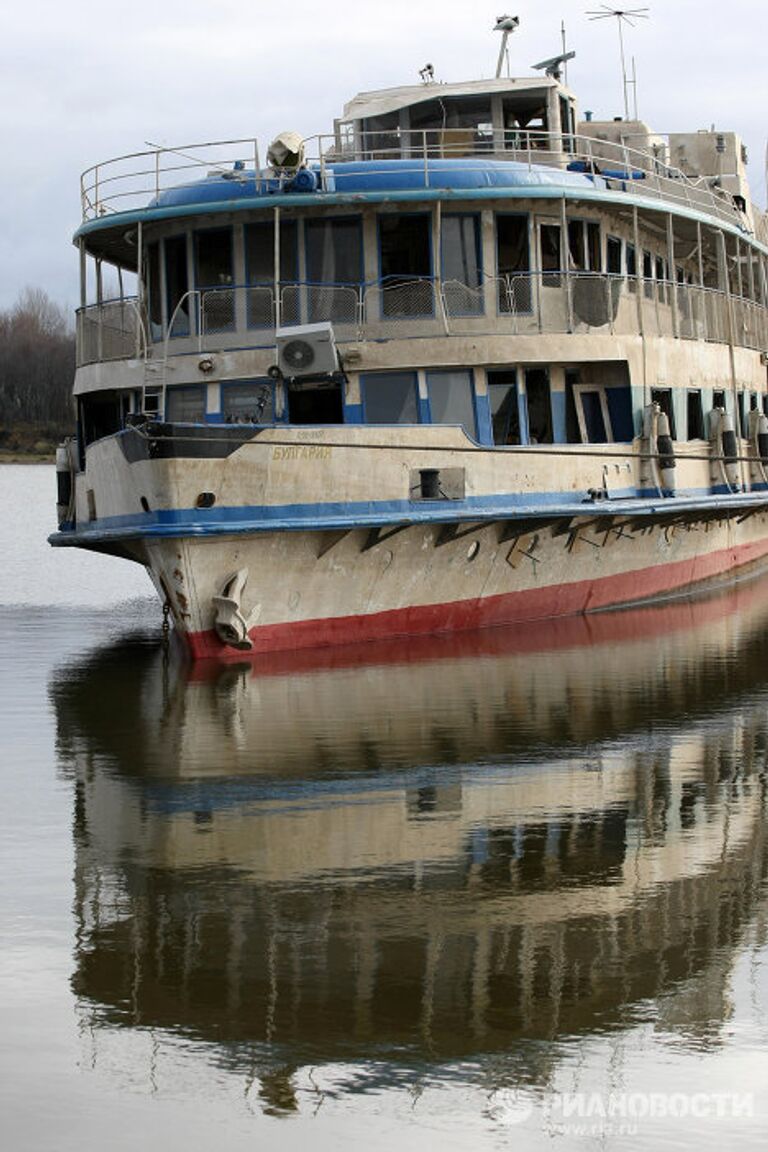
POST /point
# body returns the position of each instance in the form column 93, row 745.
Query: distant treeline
column 36, row 369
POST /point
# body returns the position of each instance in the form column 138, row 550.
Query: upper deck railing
column 533, row 304
column 132, row 182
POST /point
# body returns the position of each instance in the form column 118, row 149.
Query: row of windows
column 519, row 407
column 332, row 251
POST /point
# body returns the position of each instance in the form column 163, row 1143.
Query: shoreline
column 26, row 458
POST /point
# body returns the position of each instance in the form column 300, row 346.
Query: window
column 661, row 276
column 584, row 245
column 451, row 399
column 176, row 283
column 406, row 264
column 248, row 402
column 214, row 275
column 334, row 251
column 390, row 398
column 592, row 414
column 502, row 397
column 718, row 399
column 648, row 274
column 613, row 254
column 213, row 258
column 663, row 397
column 539, row 406
column 513, row 263
column 260, row 267
column 334, row 270
column 155, row 295
column 695, row 416
column 260, row 252
column 632, row 267
column 185, row 405
column 462, row 278
column 549, row 239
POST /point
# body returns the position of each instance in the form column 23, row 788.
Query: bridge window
column 451, row 399
column 390, row 398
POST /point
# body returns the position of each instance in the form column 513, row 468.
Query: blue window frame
column 452, row 399
column 185, row 404
column 390, row 398
column 248, row 401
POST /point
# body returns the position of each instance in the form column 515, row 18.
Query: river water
column 506, row 889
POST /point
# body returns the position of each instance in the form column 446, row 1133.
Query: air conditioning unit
column 306, row 350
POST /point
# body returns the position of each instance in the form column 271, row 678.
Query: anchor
column 230, row 623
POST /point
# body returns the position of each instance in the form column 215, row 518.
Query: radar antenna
column 505, row 25
column 553, row 66
column 621, row 16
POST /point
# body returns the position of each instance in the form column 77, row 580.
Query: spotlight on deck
column 505, row 25
column 427, row 73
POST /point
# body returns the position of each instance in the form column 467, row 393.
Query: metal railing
column 536, row 303
column 132, row 181
column 113, row 330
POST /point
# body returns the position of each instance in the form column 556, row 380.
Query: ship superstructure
column 468, row 359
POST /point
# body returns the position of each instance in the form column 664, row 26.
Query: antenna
column 552, row 67
column 621, row 16
column 505, row 25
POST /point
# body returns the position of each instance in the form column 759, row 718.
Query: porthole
column 205, row 500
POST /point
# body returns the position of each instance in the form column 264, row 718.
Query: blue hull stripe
column 370, row 514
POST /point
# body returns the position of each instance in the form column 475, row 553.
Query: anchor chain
column 166, row 625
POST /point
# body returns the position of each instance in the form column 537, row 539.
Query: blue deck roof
column 378, row 176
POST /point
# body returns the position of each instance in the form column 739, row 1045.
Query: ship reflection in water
column 430, row 858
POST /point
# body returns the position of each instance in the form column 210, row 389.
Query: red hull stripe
column 509, row 608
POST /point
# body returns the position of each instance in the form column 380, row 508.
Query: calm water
column 501, row 890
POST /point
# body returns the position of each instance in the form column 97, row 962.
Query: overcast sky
column 82, row 81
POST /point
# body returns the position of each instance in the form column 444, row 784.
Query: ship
column 470, row 359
